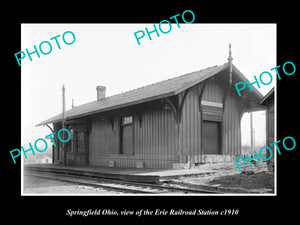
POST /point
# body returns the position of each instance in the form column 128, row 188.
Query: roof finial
column 230, row 57
column 230, row 64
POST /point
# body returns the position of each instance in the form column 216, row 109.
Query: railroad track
column 119, row 186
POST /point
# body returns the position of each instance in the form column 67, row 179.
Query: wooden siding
column 214, row 90
column 270, row 121
column 190, row 129
column 154, row 138
column 231, row 125
column 57, row 155
column 159, row 140
column 270, row 131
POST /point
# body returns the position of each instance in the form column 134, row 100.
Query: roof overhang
column 267, row 96
column 58, row 118
column 253, row 98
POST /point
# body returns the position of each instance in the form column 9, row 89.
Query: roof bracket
column 201, row 93
column 111, row 120
column 173, row 107
column 177, row 108
column 89, row 126
column 138, row 112
column 244, row 105
column 49, row 128
column 139, row 116
column 181, row 103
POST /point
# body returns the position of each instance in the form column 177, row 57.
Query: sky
column 109, row 55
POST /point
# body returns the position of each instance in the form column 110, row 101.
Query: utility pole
column 63, row 124
column 251, row 133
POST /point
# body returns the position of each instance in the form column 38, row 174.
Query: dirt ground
column 40, row 186
column 227, row 177
column 257, row 180
column 224, row 177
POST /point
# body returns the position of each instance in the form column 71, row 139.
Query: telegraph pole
column 251, row 133
column 63, row 124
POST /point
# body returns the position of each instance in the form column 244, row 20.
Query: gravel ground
column 219, row 175
column 259, row 180
column 37, row 185
column 256, row 178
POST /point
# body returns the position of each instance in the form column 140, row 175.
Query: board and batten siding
column 215, row 91
column 154, row 139
column 159, row 141
column 232, row 125
column 57, row 154
column 190, row 129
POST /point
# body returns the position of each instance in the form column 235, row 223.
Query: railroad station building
column 268, row 101
column 176, row 123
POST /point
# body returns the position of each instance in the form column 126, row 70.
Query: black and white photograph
column 150, row 115
column 168, row 116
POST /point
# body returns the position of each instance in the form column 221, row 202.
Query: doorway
column 126, row 135
column 211, row 137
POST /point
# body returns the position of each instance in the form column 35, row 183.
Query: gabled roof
column 151, row 92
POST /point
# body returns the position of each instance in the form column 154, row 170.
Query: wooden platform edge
column 153, row 179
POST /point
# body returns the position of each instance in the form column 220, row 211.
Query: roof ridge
column 148, row 85
column 161, row 81
column 168, row 87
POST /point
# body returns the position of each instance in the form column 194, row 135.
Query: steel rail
column 124, row 186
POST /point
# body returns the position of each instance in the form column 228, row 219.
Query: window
column 78, row 141
column 81, row 141
column 126, row 120
column 71, row 142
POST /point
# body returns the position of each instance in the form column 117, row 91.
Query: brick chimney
column 100, row 92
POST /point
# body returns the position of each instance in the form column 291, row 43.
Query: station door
column 211, row 137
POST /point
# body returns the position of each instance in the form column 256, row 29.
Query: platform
column 126, row 174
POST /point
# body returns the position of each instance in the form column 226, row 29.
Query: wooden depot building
column 268, row 102
column 177, row 123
